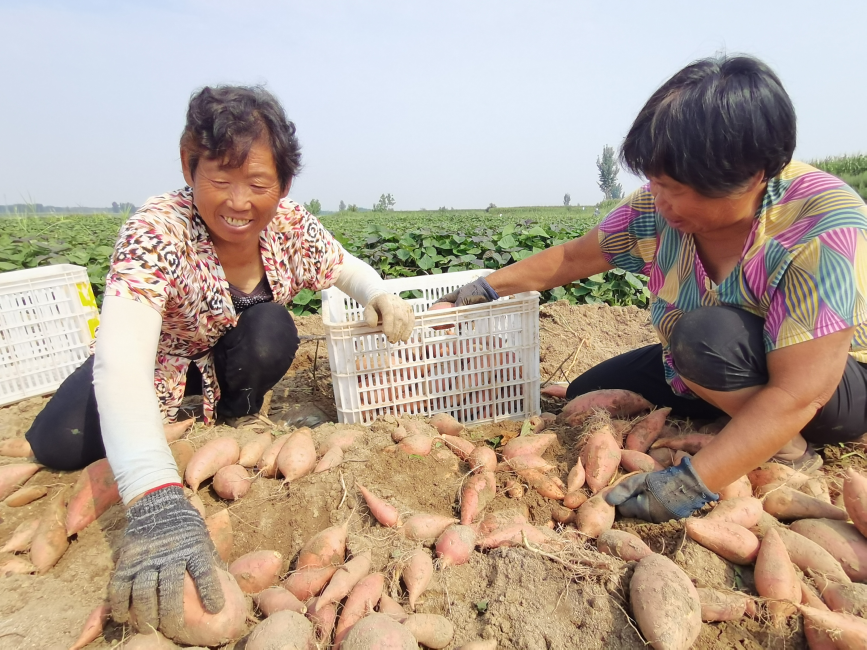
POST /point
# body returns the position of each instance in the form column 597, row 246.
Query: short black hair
column 223, row 122
column 713, row 126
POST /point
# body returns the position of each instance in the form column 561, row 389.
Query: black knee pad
column 267, row 334
column 720, row 348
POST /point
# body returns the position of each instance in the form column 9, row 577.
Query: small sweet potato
column 482, row 459
column 21, row 538
column 379, row 632
column 389, row 606
column 276, row 599
column 636, row 461
column 548, row 486
column 523, row 462
column 149, row 641
column 855, row 499
column 14, row 476
column 308, row 582
column 455, row 545
column 577, row 477
column 417, row 573
column 231, row 482
column 847, row 631
column 532, row 444
column 431, row 630
column 646, row 431
column 94, row 493
column 426, row 528
column 743, row 511
column 267, row 464
column 15, row 448
column 594, row 516
column 362, row 600
column 213, row 455
column 487, row 644
column 25, row 495
column 175, row 430
column 16, row 566
column 600, row 457
column 257, row 570
column 619, row 403
column 717, row 606
column 323, row 618
column 665, row 604
column 204, row 629
column 736, row 489
column 253, row 450
column 344, row 579
column 691, row 443
column 182, row 452
column 776, row 578
column 327, row 547
column 622, row 544
column 460, row 447
column 385, row 513
column 786, row 503
column 476, row 492
column 730, row 541
column 768, row 473
column 575, row 499
column 50, row 542
column 93, row 626
column 283, row 629
column 446, row 424
column 297, row 458
column 220, row 529
column 330, row 459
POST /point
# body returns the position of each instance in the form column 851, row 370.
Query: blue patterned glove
column 475, row 293
column 673, row 493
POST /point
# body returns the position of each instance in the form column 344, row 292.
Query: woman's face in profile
column 236, row 203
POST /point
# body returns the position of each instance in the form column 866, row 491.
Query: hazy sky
column 447, row 103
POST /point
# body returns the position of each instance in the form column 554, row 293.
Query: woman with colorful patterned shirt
column 195, row 303
column 757, row 272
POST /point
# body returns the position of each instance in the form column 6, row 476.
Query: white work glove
column 397, row 316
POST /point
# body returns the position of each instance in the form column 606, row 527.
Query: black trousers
column 722, row 349
column 249, row 360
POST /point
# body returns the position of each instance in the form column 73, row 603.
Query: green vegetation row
column 851, row 169
column 396, row 244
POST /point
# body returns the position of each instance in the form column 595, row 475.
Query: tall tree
column 567, row 199
column 608, row 169
column 342, row 206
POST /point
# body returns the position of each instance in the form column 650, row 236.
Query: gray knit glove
column 475, row 293
column 165, row 536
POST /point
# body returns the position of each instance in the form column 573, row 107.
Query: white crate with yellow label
column 48, row 317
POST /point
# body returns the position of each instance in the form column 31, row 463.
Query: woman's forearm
column 554, row 267
column 769, row 420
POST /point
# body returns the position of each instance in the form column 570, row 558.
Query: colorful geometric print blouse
column 804, row 269
column 164, row 258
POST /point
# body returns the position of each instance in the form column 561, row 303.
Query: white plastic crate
column 480, row 365
column 48, row 317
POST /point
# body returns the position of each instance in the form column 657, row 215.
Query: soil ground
column 522, row 599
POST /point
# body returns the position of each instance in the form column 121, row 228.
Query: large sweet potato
column 665, row 604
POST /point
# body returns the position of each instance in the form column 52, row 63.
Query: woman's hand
column 474, row 293
column 164, row 538
column 396, row 315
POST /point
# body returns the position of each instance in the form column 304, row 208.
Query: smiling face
column 690, row 212
column 236, row 203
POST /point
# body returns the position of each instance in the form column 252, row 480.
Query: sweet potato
column 297, row 457
column 810, row 598
column 594, row 516
column 487, row 644
column 379, row 632
column 417, row 573
column 776, row 578
column 513, row 488
column 196, row 501
column 848, row 597
column 204, row 629
column 361, row 601
column 533, row 444
column 730, row 541
column 15, row 448
column 326, row 547
column 182, row 452
column 400, row 432
column 389, row 606
column 344, row 579
column 149, row 641
column 385, row 513
column 14, row 476
column 818, row 488
column 855, row 499
column 482, row 459
column 577, row 477
column 308, row 582
column 282, row 630
column 548, row 486
column 252, row 451
column 743, row 511
column 600, row 457
column 646, row 431
column 691, row 443
column 213, row 455
column 94, row 493
column 25, row 495
column 92, row 626
column 176, row 430
column 736, row 489
column 636, row 461
column 848, row 632
column 766, row 522
column 426, row 528
column 446, row 424
column 807, row 555
column 267, row 464
column 562, row 515
column 220, row 529
column 575, row 499
column 455, row 545
column 501, row 518
column 50, row 542
column 231, row 482
column 431, row 630
column 21, row 538
column 786, row 503
column 323, row 619
column 477, row 492
column 665, row 604
column 16, row 566
column 276, row 599
column 717, row 606
column 330, row 459
column 664, row 456
column 619, row 403
column 626, row 546
column 416, row 444
column 256, row 570
column 460, row 447
column 774, row 473
column 523, row 462
column 516, row 534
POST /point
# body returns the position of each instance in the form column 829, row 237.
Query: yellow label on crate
column 85, row 295
column 93, row 324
